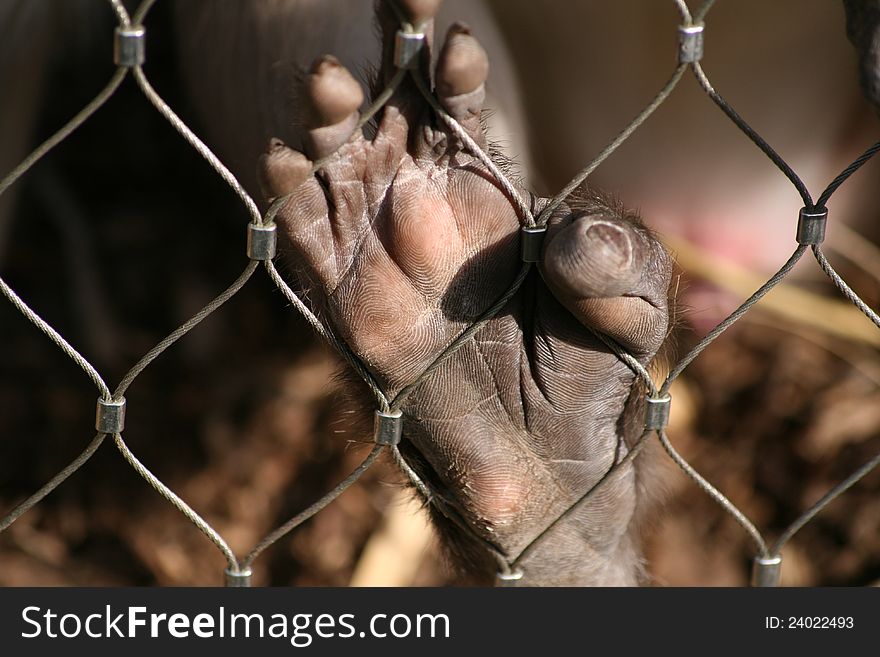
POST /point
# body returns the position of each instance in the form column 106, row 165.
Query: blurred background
column 123, row 233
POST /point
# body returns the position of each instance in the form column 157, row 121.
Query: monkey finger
column 462, row 69
column 612, row 275
column 282, row 170
column 402, row 52
column 303, row 218
column 332, row 99
column 396, row 52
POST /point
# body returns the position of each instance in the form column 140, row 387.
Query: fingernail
column 614, row 239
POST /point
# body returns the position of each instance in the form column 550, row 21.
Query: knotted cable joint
column 238, row 579
column 387, row 427
column 532, row 242
column 407, row 46
column 508, row 579
column 811, row 225
column 130, row 46
column 110, row 416
column 261, row 242
column 766, row 571
column 657, row 412
column 690, row 43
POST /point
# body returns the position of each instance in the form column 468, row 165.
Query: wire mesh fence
column 808, row 234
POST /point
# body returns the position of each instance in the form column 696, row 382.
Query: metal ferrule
column 238, row 580
column 766, row 571
column 129, row 46
column 110, row 416
column 532, row 242
column 388, row 428
column 507, row 580
column 690, row 44
column 262, row 242
column 811, row 225
column 657, row 412
column 407, row 46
